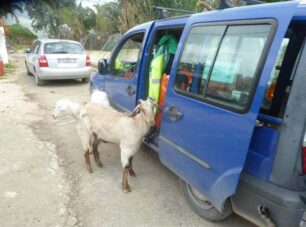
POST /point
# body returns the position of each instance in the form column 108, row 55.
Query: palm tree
column 9, row 8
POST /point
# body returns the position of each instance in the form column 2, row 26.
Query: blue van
column 234, row 130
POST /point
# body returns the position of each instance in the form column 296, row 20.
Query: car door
column 208, row 120
column 122, row 79
column 30, row 57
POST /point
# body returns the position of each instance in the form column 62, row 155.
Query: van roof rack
column 163, row 11
column 226, row 3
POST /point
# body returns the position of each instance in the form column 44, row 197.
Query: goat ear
column 136, row 111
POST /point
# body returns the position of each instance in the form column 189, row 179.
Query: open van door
column 124, row 64
column 209, row 118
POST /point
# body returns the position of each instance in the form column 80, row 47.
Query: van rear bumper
column 286, row 206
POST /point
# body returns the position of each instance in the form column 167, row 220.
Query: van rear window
column 63, row 48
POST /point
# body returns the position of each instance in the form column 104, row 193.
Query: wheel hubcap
column 199, row 198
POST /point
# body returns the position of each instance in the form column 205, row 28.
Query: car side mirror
column 102, row 66
column 27, row 51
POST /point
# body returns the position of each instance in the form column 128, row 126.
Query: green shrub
column 20, row 35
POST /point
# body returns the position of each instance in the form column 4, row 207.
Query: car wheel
column 85, row 80
column 28, row 72
column 38, row 81
column 201, row 206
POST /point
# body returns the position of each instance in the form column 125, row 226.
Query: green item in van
column 167, row 45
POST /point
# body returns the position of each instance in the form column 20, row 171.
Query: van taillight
column 42, row 60
column 87, row 61
column 304, row 159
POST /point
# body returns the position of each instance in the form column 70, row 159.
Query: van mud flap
column 264, row 213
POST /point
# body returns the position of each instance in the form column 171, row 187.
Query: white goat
column 103, row 123
column 99, row 97
column 109, row 125
column 65, row 107
column 90, row 144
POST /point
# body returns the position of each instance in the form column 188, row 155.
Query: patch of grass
column 21, row 47
column 9, row 68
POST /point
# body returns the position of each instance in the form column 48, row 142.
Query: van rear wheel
column 201, row 206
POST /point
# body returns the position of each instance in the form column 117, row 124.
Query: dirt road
column 43, row 177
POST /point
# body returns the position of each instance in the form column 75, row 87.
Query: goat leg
column 125, row 183
column 87, row 161
column 131, row 171
column 95, row 152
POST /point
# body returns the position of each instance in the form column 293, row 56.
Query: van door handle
column 173, row 113
column 130, row 91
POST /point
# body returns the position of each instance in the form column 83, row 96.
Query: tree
column 107, row 18
column 9, row 8
column 80, row 20
column 19, row 34
column 45, row 15
column 133, row 12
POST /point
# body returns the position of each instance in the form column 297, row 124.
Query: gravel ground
column 43, row 177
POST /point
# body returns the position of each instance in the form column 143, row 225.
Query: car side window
column 125, row 61
column 223, row 70
column 37, row 48
column 33, row 46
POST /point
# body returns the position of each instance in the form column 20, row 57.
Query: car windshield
column 63, row 48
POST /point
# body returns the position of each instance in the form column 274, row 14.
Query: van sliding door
column 209, row 118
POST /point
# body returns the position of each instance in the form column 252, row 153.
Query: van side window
column 225, row 63
column 125, row 62
column 198, row 54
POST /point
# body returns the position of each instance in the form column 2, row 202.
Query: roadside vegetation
column 19, row 36
column 9, row 68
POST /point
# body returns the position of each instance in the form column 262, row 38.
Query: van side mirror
column 102, row 66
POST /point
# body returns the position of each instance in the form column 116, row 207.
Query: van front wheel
column 200, row 205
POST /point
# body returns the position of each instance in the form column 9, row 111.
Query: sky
column 25, row 21
column 91, row 3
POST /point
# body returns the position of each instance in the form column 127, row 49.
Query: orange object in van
column 162, row 96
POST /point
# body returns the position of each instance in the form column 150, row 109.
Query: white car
column 55, row 59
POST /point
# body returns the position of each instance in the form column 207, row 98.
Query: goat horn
column 155, row 103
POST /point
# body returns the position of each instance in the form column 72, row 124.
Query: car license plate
column 66, row 60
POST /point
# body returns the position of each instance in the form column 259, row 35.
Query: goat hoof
column 90, row 171
column 126, row 189
column 132, row 173
column 99, row 164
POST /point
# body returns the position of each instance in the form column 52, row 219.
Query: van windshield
column 63, row 48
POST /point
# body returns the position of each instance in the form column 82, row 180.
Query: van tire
column 204, row 209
